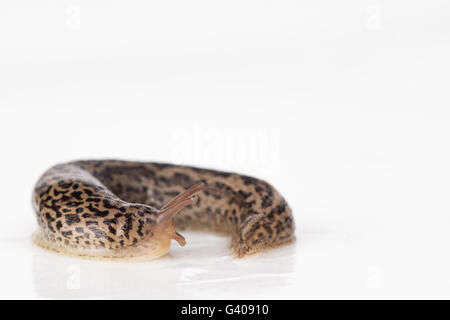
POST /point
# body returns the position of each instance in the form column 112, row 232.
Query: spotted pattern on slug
column 111, row 206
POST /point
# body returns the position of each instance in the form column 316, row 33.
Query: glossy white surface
column 343, row 106
column 203, row 269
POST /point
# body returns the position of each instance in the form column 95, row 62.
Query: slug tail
column 255, row 236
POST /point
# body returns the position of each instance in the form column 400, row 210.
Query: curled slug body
column 126, row 210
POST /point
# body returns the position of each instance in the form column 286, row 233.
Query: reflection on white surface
column 202, row 269
column 328, row 260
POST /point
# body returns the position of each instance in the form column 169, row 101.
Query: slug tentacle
column 166, row 215
column 107, row 208
column 178, row 238
column 167, row 212
column 186, row 194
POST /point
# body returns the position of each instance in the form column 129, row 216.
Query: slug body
column 127, row 210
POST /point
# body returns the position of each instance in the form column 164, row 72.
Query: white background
column 342, row 105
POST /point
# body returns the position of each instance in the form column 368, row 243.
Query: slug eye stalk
column 184, row 195
column 168, row 211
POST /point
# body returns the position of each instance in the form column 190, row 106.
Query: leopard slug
column 108, row 209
